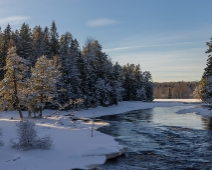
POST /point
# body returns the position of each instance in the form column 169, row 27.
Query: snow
column 179, row 100
column 73, row 146
column 135, row 105
column 197, row 110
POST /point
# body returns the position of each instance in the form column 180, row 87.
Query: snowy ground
column 178, row 100
column 73, row 145
column 197, row 109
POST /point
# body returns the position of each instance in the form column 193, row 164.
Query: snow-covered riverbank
column 197, row 110
column 73, row 145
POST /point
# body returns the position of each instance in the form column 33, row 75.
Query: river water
column 159, row 138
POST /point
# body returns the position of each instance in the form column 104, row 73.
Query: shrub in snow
column 74, row 105
column 27, row 137
column 1, row 143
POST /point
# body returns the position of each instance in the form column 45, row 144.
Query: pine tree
column 97, row 64
column 83, row 67
column 65, row 61
column 148, row 85
column 75, row 67
column 207, row 74
column 4, row 45
column 13, row 82
column 200, row 90
column 54, row 43
column 44, row 78
column 24, row 49
column 47, row 49
column 128, row 82
column 139, row 79
column 40, row 43
column 137, row 85
column 117, row 79
column 14, row 39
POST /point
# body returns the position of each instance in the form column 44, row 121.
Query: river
column 159, row 138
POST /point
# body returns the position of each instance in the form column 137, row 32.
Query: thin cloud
column 101, row 22
column 145, row 46
column 14, row 20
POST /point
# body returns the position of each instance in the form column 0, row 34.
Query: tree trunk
column 20, row 113
column 16, row 97
column 41, row 109
column 29, row 113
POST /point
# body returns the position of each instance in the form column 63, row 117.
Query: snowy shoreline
column 73, row 145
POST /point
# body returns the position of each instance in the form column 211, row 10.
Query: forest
column 41, row 69
column 178, row 90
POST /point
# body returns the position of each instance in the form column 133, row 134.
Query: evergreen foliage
column 24, row 48
column 137, row 85
column 208, row 69
column 65, row 63
column 61, row 72
column 13, row 82
column 54, row 43
column 39, row 45
column 47, row 49
column 205, row 87
column 200, row 90
column 4, row 46
column 43, row 82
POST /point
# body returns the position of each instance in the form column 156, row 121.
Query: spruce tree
column 117, row 79
column 208, row 69
column 75, row 67
column 208, row 73
column 128, row 82
column 40, row 43
column 54, row 43
column 137, row 85
column 96, row 62
column 148, row 85
column 4, row 45
column 82, row 65
column 47, row 49
column 24, row 48
column 65, row 61
column 14, row 39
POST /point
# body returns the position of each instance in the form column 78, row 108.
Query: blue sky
column 166, row 37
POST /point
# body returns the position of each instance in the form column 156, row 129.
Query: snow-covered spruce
column 27, row 137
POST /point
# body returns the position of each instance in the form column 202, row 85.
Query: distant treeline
column 179, row 90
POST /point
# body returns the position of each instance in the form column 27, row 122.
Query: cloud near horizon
column 101, row 22
column 14, row 20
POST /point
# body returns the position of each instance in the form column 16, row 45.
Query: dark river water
column 159, row 138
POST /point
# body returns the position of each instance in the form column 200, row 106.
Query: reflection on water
column 161, row 139
column 165, row 116
column 207, row 122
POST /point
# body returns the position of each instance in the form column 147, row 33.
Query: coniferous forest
column 41, row 69
column 178, row 90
